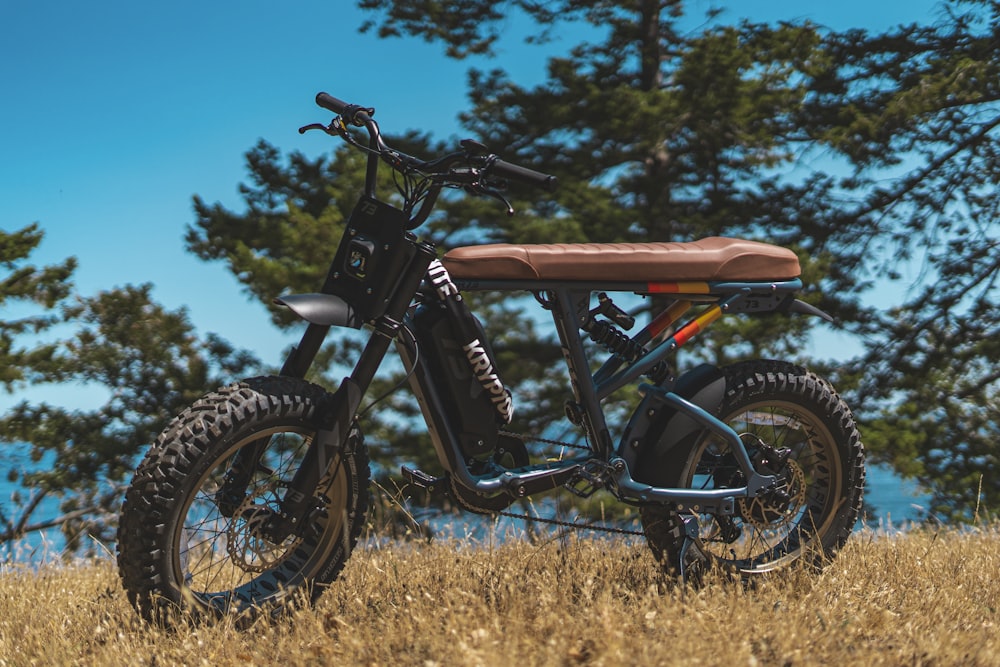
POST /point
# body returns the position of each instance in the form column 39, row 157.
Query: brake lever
column 315, row 126
column 336, row 128
column 495, row 194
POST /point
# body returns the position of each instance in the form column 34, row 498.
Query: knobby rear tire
column 780, row 404
column 179, row 550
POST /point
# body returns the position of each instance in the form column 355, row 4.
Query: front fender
column 326, row 310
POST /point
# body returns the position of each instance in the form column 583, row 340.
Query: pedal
column 434, row 486
column 589, row 478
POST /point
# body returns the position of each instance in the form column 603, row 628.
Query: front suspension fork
column 336, row 418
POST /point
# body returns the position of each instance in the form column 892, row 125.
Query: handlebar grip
column 351, row 113
column 331, row 103
column 525, row 175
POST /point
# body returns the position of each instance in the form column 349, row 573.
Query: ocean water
column 892, row 501
column 891, row 504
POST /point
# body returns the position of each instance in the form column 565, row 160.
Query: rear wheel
column 794, row 427
column 191, row 538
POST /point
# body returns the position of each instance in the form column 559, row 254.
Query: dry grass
column 919, row 599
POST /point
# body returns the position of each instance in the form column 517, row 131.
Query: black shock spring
column 615, row 341
column 619, row 344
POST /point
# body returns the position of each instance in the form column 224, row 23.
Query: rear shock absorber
column 615, row 341
column 619, row 343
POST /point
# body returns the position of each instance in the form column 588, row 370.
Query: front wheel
column 194, row 530
column 795, row 427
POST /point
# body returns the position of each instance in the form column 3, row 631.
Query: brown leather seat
column 709, row 259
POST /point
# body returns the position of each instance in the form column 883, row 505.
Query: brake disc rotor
column 248, row 543
column 778, row 508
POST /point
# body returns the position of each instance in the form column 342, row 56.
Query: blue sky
column 114, row 113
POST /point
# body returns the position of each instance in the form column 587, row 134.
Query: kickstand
column 691, row 560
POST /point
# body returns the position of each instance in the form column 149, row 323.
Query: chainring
column 510, row 453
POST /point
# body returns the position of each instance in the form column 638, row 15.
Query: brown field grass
column 923, row 598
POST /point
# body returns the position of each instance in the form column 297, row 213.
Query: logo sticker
column 482, row 368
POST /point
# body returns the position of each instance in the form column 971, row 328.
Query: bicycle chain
column 569, row 524
column 557, row 522
column 528, row 438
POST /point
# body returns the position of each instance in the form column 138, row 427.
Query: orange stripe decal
column 668, row 317
column 697, row 325
column 677, row 288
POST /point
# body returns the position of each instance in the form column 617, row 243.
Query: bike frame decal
column 668, row 317
column 678, row 288
column 442, row 282
column 482, row 367
column 476, row 352
column 697, row 325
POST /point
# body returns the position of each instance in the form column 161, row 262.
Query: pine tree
column 874, row 156
column 143, row 361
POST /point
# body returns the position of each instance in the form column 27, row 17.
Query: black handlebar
column 530, row 176
column 331, row 103
column 362, row 116
column 352, row 113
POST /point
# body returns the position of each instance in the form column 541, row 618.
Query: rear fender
column 651, row 439
column 323, row 309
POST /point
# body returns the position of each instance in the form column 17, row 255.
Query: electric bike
column 255, row 496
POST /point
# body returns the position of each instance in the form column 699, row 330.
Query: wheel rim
column 224, row 562
column 765, row 533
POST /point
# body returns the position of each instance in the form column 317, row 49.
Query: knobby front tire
column 776, row 404
column 181, row 546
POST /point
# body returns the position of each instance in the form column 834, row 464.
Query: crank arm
column 524, row 482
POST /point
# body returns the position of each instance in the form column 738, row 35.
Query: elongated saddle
column 710, row 259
